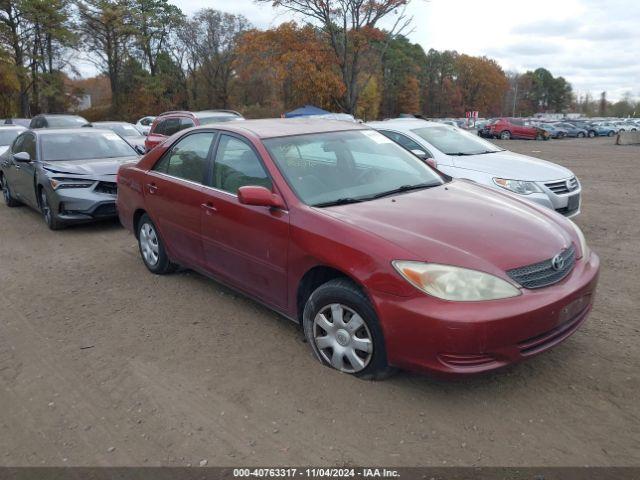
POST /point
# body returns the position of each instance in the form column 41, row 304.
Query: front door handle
column 209, row 208
column 152, row 188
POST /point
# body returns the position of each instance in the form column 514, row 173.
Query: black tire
column 48, row 214
column 611, row 133
column 6, row 193
column 505, row 135
column 351, row 298
column 580, row 135
column 539, row 137
column 592, row 134
column 162, row 264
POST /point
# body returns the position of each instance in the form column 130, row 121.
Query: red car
column 383, row 261
column 507, row 128
column 168, row 123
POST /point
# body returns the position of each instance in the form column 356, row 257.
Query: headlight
column 455, row 283
column 584, row 248
column 57, row 183
column 521, row 187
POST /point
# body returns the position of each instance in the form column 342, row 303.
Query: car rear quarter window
column 187, row 159
column 186, row 123
column 237, row 165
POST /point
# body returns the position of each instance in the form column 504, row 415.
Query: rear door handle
column 209, row 208
column 152, row 188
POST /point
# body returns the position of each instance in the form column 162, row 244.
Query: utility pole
column 515, row 97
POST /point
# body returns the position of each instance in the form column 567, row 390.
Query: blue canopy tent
column 306, row 111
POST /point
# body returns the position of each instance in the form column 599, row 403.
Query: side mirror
column 140, row 149
column 421, row 154
column 431, row 162
column 22, row 157
column 259, row 197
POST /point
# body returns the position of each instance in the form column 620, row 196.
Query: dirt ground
column 102, row 363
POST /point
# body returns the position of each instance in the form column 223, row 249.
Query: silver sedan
column 460, row 154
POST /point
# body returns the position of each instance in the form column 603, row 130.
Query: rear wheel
column 48, row 214
column 539, row 136
column 592, row 133
column 505, row 135
column 6, row 193
column 611, row 133
column 342, row 328
column 580, row 135
column 152, row 249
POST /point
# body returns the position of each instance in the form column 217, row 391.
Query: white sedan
column 144, row 124
column 460, row 154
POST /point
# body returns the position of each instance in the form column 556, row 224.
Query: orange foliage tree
column 287, row 67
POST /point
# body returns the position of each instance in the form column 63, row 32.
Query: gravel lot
column 102, row 363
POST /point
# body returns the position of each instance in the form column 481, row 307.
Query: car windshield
column 70, row 121
column 124, row 130
column 84, row 146
column 8, row 136
column 218, row 119
column 349, row 166
column 452, row 141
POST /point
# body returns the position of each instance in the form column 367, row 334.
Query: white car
column 460, row 154
column 8, row 134
column 144, row 124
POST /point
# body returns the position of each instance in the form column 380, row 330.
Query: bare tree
column 350, row 26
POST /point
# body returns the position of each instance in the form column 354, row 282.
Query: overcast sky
column 595, row 44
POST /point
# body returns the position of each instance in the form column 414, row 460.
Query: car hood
column 463, row 224
column 135, row 141
column 94, row 168
column 513, row 166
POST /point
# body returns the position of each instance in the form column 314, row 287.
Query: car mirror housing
column 22, row 157
column 431, row 162
column 259, row 197
column 140, row 149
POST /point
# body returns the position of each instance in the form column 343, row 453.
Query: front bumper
column 84, row 204
column 426, row 334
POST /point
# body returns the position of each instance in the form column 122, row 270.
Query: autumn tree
column 402, row 76
column 107, row 30
column 350, row 26
column 293, row 62
column 482, row 84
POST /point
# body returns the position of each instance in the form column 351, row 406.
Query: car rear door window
column 187, row 159
column 237, row 165
column 172, row 126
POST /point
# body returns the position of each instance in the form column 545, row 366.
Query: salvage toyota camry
column 384, row 262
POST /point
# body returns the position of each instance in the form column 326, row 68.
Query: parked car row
column 533, row 128
column 385, row 242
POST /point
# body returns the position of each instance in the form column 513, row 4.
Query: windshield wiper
column 339, row 201
column 404, row 188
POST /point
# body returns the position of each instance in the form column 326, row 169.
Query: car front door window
column 237, row 165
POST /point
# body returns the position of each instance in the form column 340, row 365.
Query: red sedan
column 384, row 262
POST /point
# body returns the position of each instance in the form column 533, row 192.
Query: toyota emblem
column 557, row 262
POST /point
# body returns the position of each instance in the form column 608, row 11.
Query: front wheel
column 342, row 328
column 152, row 249
column 48, row 214
column 611, row 134
column 592, row 133
column 6, row 193
column 580, row 134
column 539, row 137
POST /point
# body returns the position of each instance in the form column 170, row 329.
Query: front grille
column 543, row 274
column 110, row 188
column 560, row 187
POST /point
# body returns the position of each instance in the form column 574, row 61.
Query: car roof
column 109, row 122
column 285, row 127
column 67, row 131
column 405, row 124
column 9, row 126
